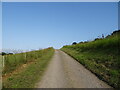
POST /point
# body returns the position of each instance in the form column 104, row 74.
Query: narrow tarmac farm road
column 65, row 72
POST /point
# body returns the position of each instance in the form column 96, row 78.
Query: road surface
column 65, row 72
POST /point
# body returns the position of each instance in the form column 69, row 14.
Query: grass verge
column 31, row 73
column 100, row 56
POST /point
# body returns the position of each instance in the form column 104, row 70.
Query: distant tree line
column 3, row 53
column 99, row 38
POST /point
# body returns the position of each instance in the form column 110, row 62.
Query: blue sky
column 40, row 25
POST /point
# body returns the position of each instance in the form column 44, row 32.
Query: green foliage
column 101, row 56
column 3, row 53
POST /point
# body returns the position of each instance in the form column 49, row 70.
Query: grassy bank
column 26, row 68
column 101, row 56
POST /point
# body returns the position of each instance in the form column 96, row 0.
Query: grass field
column 23, row 70
column 101, row 56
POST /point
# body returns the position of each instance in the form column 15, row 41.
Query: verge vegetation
column 101, row 56
column 23, row 70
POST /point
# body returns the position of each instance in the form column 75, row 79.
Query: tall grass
column 28, row 76
column 15, row 60
column 101, row 56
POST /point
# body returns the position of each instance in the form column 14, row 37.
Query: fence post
column 3, row 59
